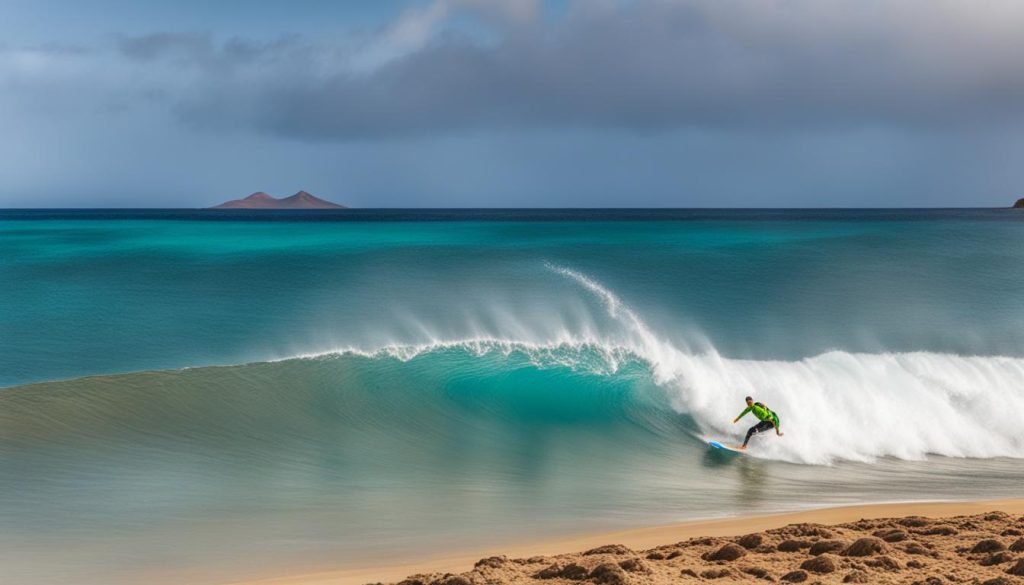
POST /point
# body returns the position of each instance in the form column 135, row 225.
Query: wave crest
column 834, row 406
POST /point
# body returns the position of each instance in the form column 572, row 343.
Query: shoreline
column 642, row 538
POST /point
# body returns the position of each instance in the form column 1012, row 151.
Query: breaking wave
column 834, row 406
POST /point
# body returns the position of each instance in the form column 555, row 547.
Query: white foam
column 834, row 406
column 841, row 405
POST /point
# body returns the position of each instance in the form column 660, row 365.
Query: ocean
column 202, row 396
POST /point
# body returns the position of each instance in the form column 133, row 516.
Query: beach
column 882, row 543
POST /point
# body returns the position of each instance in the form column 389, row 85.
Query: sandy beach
column 932, row 542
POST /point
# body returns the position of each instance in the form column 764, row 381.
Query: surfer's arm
column 742, row 414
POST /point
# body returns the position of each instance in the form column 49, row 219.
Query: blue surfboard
column 717, row 445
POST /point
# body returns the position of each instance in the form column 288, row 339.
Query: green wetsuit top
column 761, row 412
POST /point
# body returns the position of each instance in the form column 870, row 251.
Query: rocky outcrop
column 728, row 552
column 825, row 563
column 750, row 541
column 988, row 545
column 824, row 546
column 1019, row 204
column 865, row 547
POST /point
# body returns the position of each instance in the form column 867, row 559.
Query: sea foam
column 833, row 406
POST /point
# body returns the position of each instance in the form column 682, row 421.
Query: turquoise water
column 206, row 398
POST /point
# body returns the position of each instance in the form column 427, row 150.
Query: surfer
column 769, row 420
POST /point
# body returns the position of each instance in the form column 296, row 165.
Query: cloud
column 154, row 46
column 417, row 26
column 656, row 65
column 645, row 65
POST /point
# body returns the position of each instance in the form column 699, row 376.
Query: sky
column 513, row 103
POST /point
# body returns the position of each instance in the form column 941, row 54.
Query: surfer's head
column 749, row 400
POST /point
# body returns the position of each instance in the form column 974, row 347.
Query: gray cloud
column 201, row 49
column 659, row 65
column 153, row 46
column 648, row 65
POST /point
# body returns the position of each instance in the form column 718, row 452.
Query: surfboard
column 717, row 445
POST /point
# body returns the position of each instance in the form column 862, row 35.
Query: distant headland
column 260, row 200
column 1019, row 204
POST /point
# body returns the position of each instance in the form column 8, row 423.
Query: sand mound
column 911, row 550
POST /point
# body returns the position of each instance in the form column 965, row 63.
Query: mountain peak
column 261, row 200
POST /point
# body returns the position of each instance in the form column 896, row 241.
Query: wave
column 835, row 406
column 840, row 405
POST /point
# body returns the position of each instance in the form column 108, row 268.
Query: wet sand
column 926, row 543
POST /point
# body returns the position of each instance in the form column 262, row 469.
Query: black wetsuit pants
column 758, row 428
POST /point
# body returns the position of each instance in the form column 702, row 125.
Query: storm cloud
column 647, row 66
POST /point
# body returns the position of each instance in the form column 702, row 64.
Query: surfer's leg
column 758, row 428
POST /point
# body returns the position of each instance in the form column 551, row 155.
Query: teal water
column 208, row 398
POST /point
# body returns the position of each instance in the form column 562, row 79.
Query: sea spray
column 834, row 406
column 840, row 405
